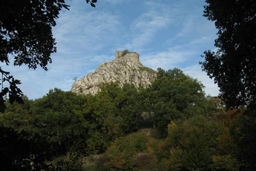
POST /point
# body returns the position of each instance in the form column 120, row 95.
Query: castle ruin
column 134, row 56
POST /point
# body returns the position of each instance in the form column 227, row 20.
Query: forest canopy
column 127, row 128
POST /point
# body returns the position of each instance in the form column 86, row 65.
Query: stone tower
column 134, row 56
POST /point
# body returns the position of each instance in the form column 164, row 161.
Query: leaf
column 5, row 91
column 17, row 81
column 94, row 1
column 93, row 5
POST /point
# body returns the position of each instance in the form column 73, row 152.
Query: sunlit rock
column 125, row 68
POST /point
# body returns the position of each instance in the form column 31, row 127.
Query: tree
column 243, row 130
column 18, row 153
column 233, row 64
column 57, row 123
column 130, row 152
column 112, row 113
column 26, row 35
column 200, row 144
column 173, row 95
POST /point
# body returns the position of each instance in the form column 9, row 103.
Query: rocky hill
column 125, row 68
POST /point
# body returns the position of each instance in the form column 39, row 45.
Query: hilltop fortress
column 134, row 56
column 124, row 69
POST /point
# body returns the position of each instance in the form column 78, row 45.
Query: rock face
column 125, row 68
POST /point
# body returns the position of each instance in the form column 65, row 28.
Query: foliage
column 26, row 36
column 243, row 130
column 193, row 144
column 67, row 163
column 128, row 153
column 18, row 153
column 149, row 70
column 124, row 103
column 92, row 2
column 197, row 144
column 58, row 118
column 15, row 94
column 65, row 128
column 173, row 95
column 76, row 124
column 233, row 64
column 124, row 52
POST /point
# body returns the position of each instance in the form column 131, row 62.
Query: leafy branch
column 92, row 2
column 13, row 92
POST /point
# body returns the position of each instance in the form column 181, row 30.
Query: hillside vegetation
column 170, row 125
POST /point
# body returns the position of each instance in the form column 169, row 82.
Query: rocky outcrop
column 125, row 68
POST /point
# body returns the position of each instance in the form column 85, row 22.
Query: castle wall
column 119, row 54
column 134, row 56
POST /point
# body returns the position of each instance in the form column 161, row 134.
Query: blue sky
column 166, row 34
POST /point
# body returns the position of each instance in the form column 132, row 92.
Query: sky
column 166, row 34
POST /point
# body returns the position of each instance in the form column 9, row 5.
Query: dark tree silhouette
column 233, row 65
column 26, row 36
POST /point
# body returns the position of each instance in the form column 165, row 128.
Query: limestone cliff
column 125, row 68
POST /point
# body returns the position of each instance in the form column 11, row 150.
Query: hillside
column 125, row 68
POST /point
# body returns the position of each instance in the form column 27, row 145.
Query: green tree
column 128, row 153
column 21, row 145
column 233, row 64
column 243, row 130
column 57, row 120
column 77, row 124
column 173, row 95
column 18, row 153
column 26, row 36
column 199, row 144
column 113, row 111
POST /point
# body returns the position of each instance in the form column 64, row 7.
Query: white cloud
column 79, row 35
column 166, row 34
column 196, row 72
column 166, row 59
column 187, row 27
column 76, row 30
column 201, row 40
column 175, row 58
column 148, row 24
